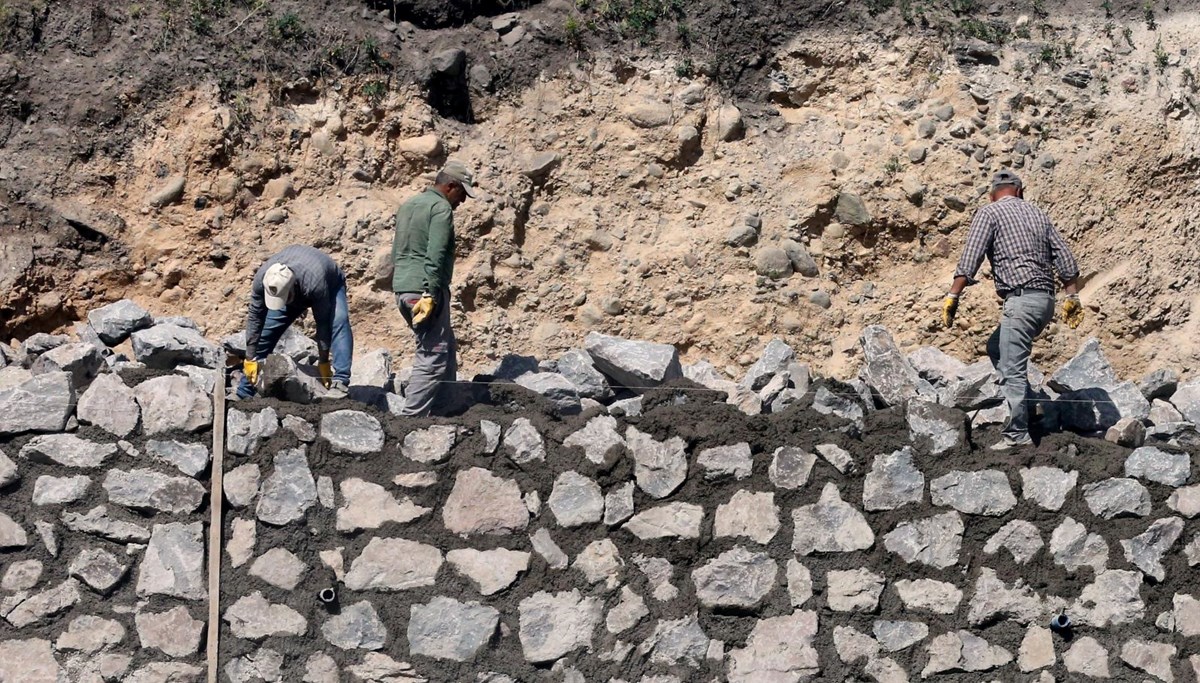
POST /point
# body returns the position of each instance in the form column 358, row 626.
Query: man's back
column 1020, row 241
column 423, row 246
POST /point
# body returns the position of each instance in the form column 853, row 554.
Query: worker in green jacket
column 423, row 262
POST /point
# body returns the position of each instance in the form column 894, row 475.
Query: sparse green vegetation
column 1048, row 55
column 287, row 28
column 1023, row 32
column 573, row 33
column 893, row 166
column 375, row 91
column 1039, row 9
column 1148, row 15
column 877, row 7
column 685, row 69
column 1108, row 8
column 1161, row 58
column 1188, row 79
column 991, row 32
column 1127, row 34
column 963, row 6
column 640, row 19
column 1108, row 29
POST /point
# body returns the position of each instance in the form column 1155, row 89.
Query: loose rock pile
column 601, row 518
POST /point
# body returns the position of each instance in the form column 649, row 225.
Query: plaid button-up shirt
column 1022, row 245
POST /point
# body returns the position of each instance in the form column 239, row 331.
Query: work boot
column 337, row 390
column 1008, row 443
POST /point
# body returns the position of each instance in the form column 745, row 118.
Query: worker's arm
column 255, row 315
column 979, row 240
column 439, row 248
column 1064, row 262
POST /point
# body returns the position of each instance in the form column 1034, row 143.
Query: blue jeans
column 1024, row 317
column 341, row 343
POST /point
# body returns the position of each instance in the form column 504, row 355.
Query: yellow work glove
column 250, row 370
column 1072, row 311
column 423, row 309
column 949, row 309
column 326, row 371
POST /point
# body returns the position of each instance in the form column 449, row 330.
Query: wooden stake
column 215, row 527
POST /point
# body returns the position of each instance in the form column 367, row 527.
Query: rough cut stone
column 1117, row 497
column 263, row 664
column 778, row 649
column 482, row 503
column 576, row 500
column 1145, row 551
column 828, row 403
column 352, row 431
column 1186, row 399
column 1073, row 547
column 935, row 366
column 830, row 526
column 747, row 514
column 280, row 568
column 48, row 490
column 430, row 445
column 241, row 541
column 1159, row 466
column 855, row 590
column 254, row 618
column 929, row 595
column 599, row 439
column 894, row 481
column 1089, row 368
column 245, row 432
column 1186, row 501
column 627, row 613
column 1087, row 657
column 790, row 467
column 67, row 450
column 97, row 523
column 985, row 492
column 671, row 520
column 162, row 347
column 370, row 506
column 81, row 361
column 799, row 583
column 241, row 484
column 12, row 535
column 394, row 564
column 736, row 578
column 1186, row 615
column 1019, row 537
column 147, row 490
column 42, row 607
column 29, row 661
column 894, row 636
column 618, row 504
column 726, row 461
column 601, row 561
column 9, row 473
column 357, row 627
column 1128, row 432
column 993, row 599
column 490, row 570
column 1047, row 486
column 42, row 403
column 934, row 541
column 21, row 575
column 677, row 642
column 173, row 403
column 116, row 321
column 99, row 569
column 189, row 458
column 89, row 634
column 524, row 443
column 445, row 628
column 555, row 388
column 963, row 651
column 633, row 364
column 660, row 466
column 885, row 369
column 1153, row 658
column 110, row 405
column 1113, row 598
column 289, row 491
column 775, row 359
column 549, row 551
column 934, row 428
column 1037, row 649
column 553, row 625
column 173, row 564
column 839, row 457
column 174, row 632
column 577, row 367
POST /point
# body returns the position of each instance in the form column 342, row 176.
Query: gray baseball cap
column 1006, row 178
column 461, row 174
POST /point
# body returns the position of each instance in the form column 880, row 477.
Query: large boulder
column 162, row 347
column 885, row 369
column 775, row 359
column 173, row 403
column 82, row 361
column 41, row 404
column 115, row 322
column 633, row 364
column 555, row 388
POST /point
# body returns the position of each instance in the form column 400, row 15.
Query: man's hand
column 1072, row 311
column 326, row 371
column 250, row 370
column 949, row 309
column 423, row 309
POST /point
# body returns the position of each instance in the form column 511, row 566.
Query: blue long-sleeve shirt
column 318, row 280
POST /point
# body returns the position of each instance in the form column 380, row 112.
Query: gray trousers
column 436, row 361
column 1024, row 317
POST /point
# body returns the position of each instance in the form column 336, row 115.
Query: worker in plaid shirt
column 1025, row 252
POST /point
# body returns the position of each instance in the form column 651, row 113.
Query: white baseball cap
column 277, row 286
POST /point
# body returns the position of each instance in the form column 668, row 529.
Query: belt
column 1021, row 291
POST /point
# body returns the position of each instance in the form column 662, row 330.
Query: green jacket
column 423, row 248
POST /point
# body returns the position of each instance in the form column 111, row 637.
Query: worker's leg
column 274, row 325
column 435, row 359
column 1024, row 318
column 342, row 345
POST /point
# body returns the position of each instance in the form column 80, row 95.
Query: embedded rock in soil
column 174, row 632
column 751, row 515
column 1153, row 658
column 1113, row 598
column 356, row 627
column 894, row 636
column 189, row 458
column 680, row 642
column 885, row 369
column 81, row 361
column 116, row 321
column 775, row 359
column 173, row 403
column 830, row 526
column 482, row 503
column 41, row 607
column 994, row 600
column 264, row 664
column 110, row 405
column 553, row 625
column 934, row 428
column 1117, row 497
column 370, row 506
column 490, row 570
column 930, row 595
column 828, row 403
column 245, row 432
column 799, row 583
column 633, row 364
column 1186, row 615
column 963, row 651
column 162, row 347
column 1087, row 658
column 936, row 366
column 627, row 613
column 672, row 520
column 736, row 578
column 837, row 456
column 97, row 523
column 280, row 568
column 67, row 450
column 241, row 541
column 12, row 535
column 1073, row 547
column 29, row 661
column 1089, row 368
column 576, row 500
column 352, row 431
column 254, row 618
column 778, row 648
column 42, row 403
column 8, row 471
column 601, row 443
column 790, row 467
column 1185, row 501
column 660, row 466
column 49, row 490
column 445, row 628
column 618, row 504
column 555, row 388
column 241, row 484
column 289, row 491
column 1021, row 538
column 21, row 575
column 173, row 562
column 1047, row 486
column 147, row 490
column 1145, row 551
column 601, row 561
column 1158, row 466
column 524, row 443
column 394, row 564
column 89, row 634
column 99, row 569
column 984, row 492
column 894, row 481
column 726, row 461
column 1037, row 649
column 577, row 366
column 430, row 445
column 934, row 541
column 549, row 551
column 855, row 590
